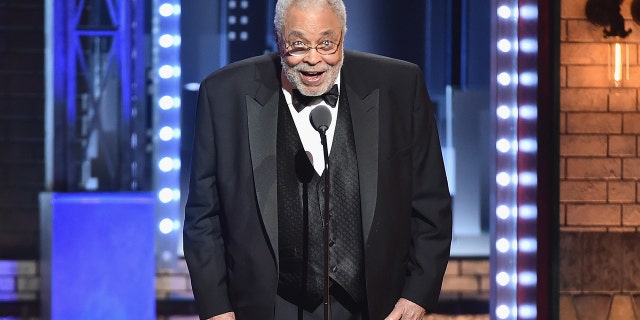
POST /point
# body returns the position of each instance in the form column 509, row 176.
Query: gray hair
column 282, row 5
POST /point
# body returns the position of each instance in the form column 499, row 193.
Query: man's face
column 313, row 73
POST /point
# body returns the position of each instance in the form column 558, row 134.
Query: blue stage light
column 167, row 91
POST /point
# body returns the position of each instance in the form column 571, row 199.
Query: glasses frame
column 289, row 45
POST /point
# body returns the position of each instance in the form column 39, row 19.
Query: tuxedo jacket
column 231, row 215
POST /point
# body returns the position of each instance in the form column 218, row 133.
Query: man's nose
column 313, row 57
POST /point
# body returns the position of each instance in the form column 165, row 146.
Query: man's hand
column 406, row 310
column 224, row 316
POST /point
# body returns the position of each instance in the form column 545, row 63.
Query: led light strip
column 167, row 103
column 514, row 224
column 527, row 160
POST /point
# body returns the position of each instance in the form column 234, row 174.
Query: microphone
column 320, row 118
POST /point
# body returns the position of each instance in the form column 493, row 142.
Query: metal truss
column 98, row 109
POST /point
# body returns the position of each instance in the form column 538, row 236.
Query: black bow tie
column 300, row 101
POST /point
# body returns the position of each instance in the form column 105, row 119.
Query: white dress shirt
column 310, row 137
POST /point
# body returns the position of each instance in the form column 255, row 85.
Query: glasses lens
column 298, row 51
column 327, row 48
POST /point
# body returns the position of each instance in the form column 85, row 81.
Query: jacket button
column 331, row 243
column 334, row 269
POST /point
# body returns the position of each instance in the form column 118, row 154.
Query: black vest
column 300, row 205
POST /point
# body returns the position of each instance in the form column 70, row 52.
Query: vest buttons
column 334, row 269
column 331, row 243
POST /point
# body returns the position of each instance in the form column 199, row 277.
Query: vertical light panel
column 505, row 100
column 167, row 103
column 527, row 160
column 514, row 95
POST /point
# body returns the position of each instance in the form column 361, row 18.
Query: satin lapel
column 262, row 123
column 364, row 115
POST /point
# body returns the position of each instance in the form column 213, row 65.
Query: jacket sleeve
column 204, row 248
column 431, row 220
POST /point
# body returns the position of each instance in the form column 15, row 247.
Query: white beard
column 293, row 75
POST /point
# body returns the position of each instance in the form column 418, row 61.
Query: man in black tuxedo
column 253, row 221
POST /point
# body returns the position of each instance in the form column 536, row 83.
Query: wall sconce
column 606, row 13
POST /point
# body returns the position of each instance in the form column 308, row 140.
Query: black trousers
column 286, row 310
column 342, row 308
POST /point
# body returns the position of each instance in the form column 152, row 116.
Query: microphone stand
column 325, row 223
column 320, row 118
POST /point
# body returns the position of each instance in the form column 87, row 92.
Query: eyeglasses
column 325, row 47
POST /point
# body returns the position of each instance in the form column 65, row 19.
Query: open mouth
column 312, row 76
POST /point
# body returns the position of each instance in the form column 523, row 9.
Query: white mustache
column 303, row 69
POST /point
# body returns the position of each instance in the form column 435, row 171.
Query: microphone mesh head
column 320, row 118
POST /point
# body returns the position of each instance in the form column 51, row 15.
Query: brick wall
column 466, row 279
column 599, row 173
column 19, row 280
column 21, row 125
